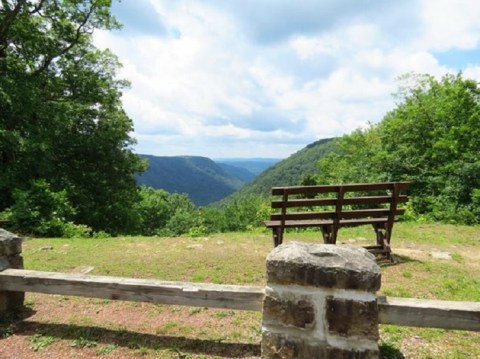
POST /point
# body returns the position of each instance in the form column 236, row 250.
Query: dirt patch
column 71, row 327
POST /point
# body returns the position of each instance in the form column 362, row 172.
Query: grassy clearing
column 94, row 327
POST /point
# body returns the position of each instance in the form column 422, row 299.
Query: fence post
column 320, row 302
column 10, row 257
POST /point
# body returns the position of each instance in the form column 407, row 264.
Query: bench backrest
column 339, row 202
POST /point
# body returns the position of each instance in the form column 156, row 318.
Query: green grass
column 153, row 257
column 239, row 258
column 40, row 341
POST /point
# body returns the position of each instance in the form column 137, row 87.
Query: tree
column 61, row 118
column 246, row 212
column 354, row 159
column 431, row 138
column 41, row 211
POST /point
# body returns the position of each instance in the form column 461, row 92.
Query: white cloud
column 472, row 72
column 266, row 78
column 449, row 24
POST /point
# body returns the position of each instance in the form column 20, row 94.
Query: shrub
column 41, row 211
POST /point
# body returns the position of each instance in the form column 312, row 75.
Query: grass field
column 58, row 326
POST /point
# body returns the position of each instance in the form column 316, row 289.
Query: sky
column 265, row 78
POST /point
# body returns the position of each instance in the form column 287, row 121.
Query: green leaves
column 432, row 138
column 61, row 118
column 40, row 210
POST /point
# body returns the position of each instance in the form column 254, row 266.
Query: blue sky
column 264, row 78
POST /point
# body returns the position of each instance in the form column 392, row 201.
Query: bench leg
column 383, row 240
column 277, row 236
column 329, row 236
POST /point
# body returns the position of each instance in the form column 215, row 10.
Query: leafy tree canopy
column 431, row 138
column 61, row 118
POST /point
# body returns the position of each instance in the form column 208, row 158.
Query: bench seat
column 321, row 223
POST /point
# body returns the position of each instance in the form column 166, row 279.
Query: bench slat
column 359, row 213
column 336, row 188
column 311, row 202
column 320, row 223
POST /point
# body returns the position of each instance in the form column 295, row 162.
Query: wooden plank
column 429, row 313
column 359, row 213
column 131, row 289
column 278, row 191
column 335, row 188
column 319, row 223
column 374, row 212
column 298, row 216
column 373, row 200
column 307, row 202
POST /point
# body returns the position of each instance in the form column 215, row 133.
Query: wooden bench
column 334, row 206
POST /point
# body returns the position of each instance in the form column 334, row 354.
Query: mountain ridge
column 288, row 172
column 203, row 179
column 207, row 181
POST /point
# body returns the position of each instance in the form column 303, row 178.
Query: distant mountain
column 288, row 172
column 241, row 173
column 253, row 165
column 201, row 178
column 206, row 181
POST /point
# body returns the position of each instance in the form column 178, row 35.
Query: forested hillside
column 290, row 171
column 199, row 177
column 242, row 174
column 253, row 165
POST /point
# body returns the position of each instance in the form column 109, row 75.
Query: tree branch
column 78, row 33
column 9, row 18
column 37, row 7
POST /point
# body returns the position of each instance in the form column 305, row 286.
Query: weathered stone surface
column 4, row 263
column 16, row 262
column 349, row 318
column 10, row 244
column 11, row 300
column 299, row 314
column 323, row 265
column 10, row 250
column 337, row 353
column 278, row 346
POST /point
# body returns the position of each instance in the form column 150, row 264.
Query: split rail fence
column 397, row 311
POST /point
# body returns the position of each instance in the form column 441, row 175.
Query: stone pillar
column 320, row 302
column 10, row 257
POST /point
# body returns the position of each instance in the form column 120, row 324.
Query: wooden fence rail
column 132, row 289
column 397, row 311
column 429, row 313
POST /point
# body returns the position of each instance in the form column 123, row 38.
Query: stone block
column 323, row 265
column 16, row 262
column 278, row 346
column 10, row 244
column 4, row 263
column 349, row 318
column 299, row 314
column 337, row 353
